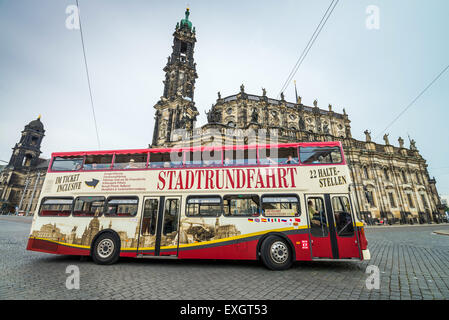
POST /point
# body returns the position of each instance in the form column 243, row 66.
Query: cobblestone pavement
column 413, row 263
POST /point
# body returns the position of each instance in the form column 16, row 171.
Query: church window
column 404, row 176
column 365, row 171
column 231, row 124
column 386, row 174
column 410, row 200
column 424, row 201
column 27, row 160
column 34, row 141
column 370, row 198
column 418, row 178
column 183, row 48
column 391, row 197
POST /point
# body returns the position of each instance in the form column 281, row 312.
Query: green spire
column 185, row 21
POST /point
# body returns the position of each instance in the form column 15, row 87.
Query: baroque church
column 22, row 178
column 390, row 183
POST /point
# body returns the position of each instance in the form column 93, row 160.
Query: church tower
column 27, row 151
column 176, row 109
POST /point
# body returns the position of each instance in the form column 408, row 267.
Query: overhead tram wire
column 414, row 100
column 309, row 45
column 87, row 74
column 290, row 76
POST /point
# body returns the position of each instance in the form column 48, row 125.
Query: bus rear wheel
column 276, row 254
column 106, row 249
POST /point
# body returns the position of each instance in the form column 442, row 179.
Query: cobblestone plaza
column 413, row 263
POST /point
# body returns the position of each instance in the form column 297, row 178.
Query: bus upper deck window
column 67, row 163
column 193, row 159
column 98, row 162
column 276, row 156
column 320, row 155
column 166, row 159
column 130, row 161
column 240, row 157
column 211, row 158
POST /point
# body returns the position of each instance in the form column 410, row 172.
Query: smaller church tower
column 27, row 151
column 176, row 109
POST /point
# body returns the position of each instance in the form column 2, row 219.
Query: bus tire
column 276, row 253
column 106, row 249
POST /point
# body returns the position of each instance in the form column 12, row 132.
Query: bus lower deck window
column 204, row 206
column 121, row 207
column 56, row 207
column 280, row 206
column 241, row 205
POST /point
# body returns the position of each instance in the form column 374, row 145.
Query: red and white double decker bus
column 275, row 203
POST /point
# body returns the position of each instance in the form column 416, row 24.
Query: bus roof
column 198, row 148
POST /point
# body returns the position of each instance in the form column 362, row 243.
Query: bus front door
column 159, row 226
column 331, row 227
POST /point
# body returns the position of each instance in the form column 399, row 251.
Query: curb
column 21, row 219
column 442, row 232
column 408, row 225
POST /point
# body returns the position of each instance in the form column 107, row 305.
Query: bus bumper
column 366, row 254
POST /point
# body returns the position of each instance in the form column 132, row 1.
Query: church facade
column 390, row 183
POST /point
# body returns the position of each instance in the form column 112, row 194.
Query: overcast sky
column 373, row 74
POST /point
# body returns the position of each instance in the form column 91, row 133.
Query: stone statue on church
column 413, row 145
column 282, row 96
column 219, row 95
column 326, row 128
column 367, row 135
column 315, row 103
column 242, row 88
column 401, row 142
column 387, row 143
column 254, row 116
column 264, row 92
column 301, row 124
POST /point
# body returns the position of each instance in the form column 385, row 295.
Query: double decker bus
column 274, row 203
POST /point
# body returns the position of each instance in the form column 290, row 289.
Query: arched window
column 404, row 176
column 231, row 124
column 365, row 171
column 386, row 174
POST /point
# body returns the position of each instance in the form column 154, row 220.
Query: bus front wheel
column 106, row 249
column 276, row 254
